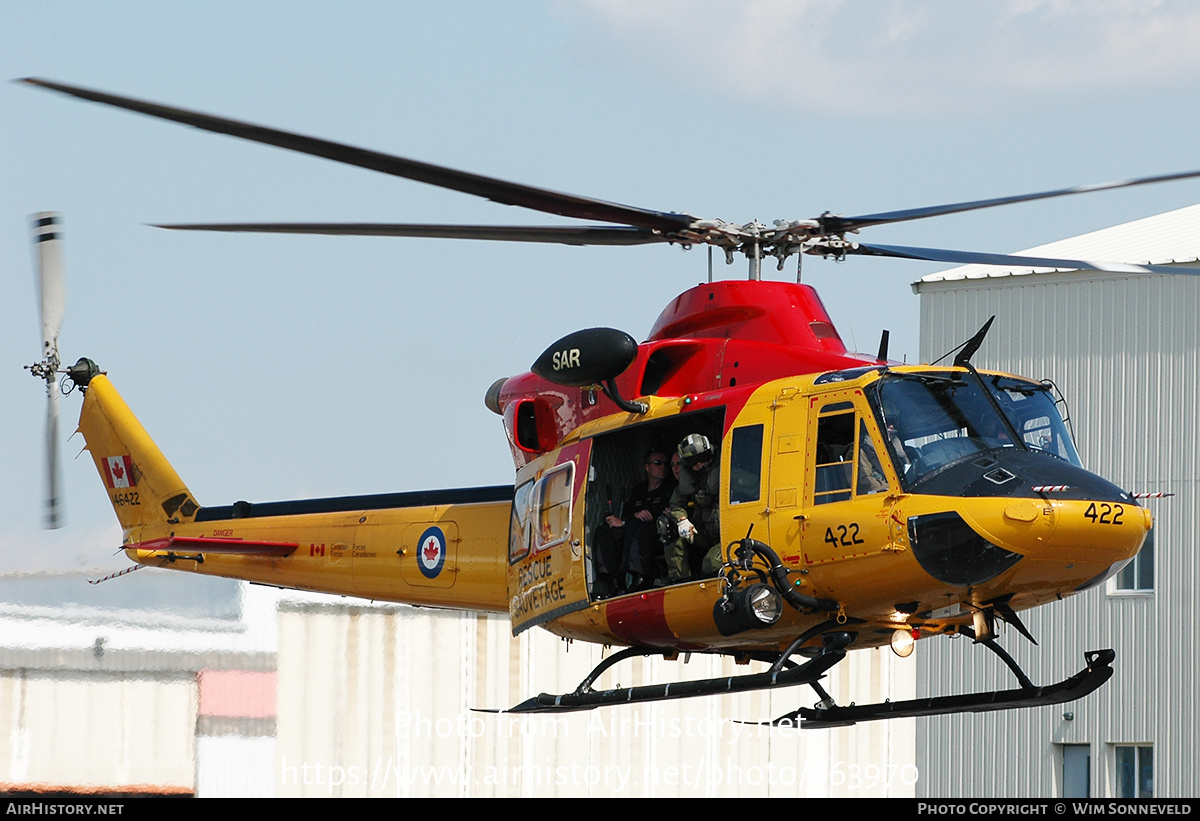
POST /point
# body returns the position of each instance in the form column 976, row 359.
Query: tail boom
column 434, row 548
column 446, row 555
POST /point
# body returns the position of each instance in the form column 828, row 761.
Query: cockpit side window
column 871, row 478
column 848, row 463
column 835, row 456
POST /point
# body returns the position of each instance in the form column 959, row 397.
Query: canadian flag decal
column 118, row 471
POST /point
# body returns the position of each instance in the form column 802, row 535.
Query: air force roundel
column 431, row 552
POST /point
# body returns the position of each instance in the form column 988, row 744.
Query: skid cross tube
column 585, row 698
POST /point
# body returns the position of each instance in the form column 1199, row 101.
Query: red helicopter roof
column 725, row 336
column 782, row 313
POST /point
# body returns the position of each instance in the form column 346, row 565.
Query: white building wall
column 75, row 729
column 234, row 767
column 1125, row 350
column 379, row 701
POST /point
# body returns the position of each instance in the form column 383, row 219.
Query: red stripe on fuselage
column 642, row 620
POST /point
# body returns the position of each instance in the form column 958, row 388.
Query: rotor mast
column 755, row 254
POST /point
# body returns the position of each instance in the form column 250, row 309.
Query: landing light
column 753, row 607
column 764, row 603
column 903, row 643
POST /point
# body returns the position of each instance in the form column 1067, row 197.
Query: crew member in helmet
column 694, row 507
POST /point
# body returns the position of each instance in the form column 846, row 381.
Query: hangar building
column 1125, row 352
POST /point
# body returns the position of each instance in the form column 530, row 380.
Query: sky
column 281, row 367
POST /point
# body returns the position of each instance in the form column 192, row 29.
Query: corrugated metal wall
column 75, row 729
column 1125, row 350
column 313, row 695
column 378, row 701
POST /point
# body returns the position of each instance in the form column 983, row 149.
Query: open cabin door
column 546, row 576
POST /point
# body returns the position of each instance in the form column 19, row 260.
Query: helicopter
column 856, row 502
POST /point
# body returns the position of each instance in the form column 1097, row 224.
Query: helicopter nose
column 1059, row 525
column 1101, row 535
column 1070, row 544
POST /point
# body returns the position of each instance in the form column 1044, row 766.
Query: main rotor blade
column 566, row 235
column 508, row 193
column 47, row 251
column 967, row 257
column 836, row 225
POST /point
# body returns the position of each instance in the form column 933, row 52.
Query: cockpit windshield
column 931, row 420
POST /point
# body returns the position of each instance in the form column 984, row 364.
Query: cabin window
column 553, row 495
column 745, row 465
column 518, row 534
column 541, row 512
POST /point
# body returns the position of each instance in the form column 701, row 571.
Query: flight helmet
column 695, row 448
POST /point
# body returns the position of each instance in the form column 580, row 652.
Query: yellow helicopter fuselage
column 844, row 525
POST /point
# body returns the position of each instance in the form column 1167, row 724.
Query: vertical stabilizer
column 143, row 487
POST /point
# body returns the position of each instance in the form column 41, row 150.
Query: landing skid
column 1098, row 671
column 786, row 673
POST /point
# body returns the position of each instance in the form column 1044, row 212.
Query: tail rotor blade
column 54, row 515
column 47, row 241
column 47, row 251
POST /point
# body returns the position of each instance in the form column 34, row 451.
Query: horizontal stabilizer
column 208, row 544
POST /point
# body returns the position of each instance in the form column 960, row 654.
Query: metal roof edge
column 1170, row 238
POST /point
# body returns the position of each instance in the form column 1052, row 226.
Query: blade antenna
column 968, row 348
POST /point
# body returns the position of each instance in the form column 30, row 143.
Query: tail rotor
column 47, row 250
